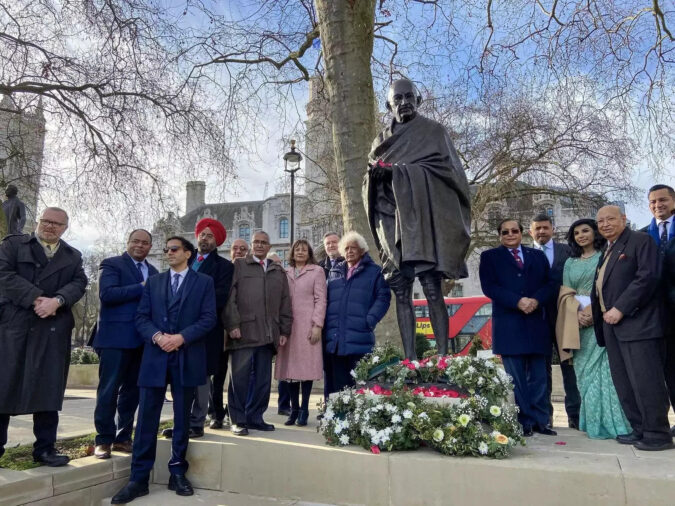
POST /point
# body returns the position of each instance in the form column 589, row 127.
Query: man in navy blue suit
column 118, row 343
column 210, row 234
column 176, row 313
column 662, row 229
column 518, row 281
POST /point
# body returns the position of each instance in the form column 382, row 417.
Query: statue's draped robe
column 422, row 215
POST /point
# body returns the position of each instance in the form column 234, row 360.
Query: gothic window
column 283, row 228
column 549, row 212
column 245, row 232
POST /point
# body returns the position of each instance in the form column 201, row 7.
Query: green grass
column 20, row 458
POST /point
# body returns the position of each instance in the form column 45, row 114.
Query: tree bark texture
column 346, row 29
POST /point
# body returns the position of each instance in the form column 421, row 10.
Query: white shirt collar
column 181, row 273
column 667, row 220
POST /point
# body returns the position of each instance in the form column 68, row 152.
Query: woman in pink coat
column 299, row 361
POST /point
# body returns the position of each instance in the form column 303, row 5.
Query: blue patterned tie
column 140, row 269
column 174, row 285
column 664, row 235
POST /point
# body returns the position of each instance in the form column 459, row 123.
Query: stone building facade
column 241, row 220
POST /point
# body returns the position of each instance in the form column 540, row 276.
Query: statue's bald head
column 611, row 222
column 403, row 100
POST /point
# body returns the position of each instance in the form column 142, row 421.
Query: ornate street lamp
column 292, row 165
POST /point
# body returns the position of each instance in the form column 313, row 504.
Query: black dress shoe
column 654, row 446
column 239, row 430
column 131, row 491
column 527, row 431
column 168, row 433
column 292, row 418
column 196, row 433
column 284, row 412
column 216, row 424
column 628, row 439
column 303, row 415
column 52, row 459
column 546, row 431
column 267, row 427
column 180, row 484
column 573, row 423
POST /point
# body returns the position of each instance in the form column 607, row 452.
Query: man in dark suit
column 119, row 345
column 662, row 230
column 258, row 319
column 518, row 281
column 210, row 234
column 627, row 320
column 333, row 257
column 41, row 278
column 176, row 313
column 541, row 230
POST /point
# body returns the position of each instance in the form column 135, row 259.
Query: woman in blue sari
column 601, row 416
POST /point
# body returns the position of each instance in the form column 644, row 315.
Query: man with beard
column 541, row 231
column 419, row 210
column 41, row 278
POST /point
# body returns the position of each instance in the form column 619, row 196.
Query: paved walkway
column 77, row 417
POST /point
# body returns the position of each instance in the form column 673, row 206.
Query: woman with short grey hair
column 358, row 298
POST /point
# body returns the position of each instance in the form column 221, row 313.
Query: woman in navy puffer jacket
column 358, row 298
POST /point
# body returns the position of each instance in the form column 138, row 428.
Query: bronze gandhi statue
column 419, row 209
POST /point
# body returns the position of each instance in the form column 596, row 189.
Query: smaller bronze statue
column 14, row 210
column 419, row 210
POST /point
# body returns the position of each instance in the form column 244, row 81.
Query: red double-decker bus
column 468, row 316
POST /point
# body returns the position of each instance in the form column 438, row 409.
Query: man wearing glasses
column 176, row 313
column 518, row 280
column 118, row 343
column 257, row 319
column 41, row 277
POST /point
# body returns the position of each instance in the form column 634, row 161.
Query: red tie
column 200, row 258
column 262, row 263
column 516, row 257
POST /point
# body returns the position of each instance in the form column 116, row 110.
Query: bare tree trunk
column 346, row 28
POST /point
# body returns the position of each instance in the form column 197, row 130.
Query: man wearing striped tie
column 518, row 280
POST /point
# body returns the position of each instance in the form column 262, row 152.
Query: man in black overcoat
column 41, row 277
column 628, row 322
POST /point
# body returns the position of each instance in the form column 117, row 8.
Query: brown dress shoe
column 124, row 447
column 102, row 451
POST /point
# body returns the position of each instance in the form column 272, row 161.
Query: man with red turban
column 210, row 234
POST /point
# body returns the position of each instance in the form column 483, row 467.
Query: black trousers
column 45, row 424
column 670, row 364
column 637, row 372
column 242, row 362
column 341, row 367
column 284, row 400
column 117, row 392
column 217, row 408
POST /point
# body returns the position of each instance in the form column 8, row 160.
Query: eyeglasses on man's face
column 50, row 223
column 140, row 242
column 173, row 249
column 260, row 243
column 507, row 231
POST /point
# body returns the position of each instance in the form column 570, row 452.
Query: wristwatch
column 61, row 300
